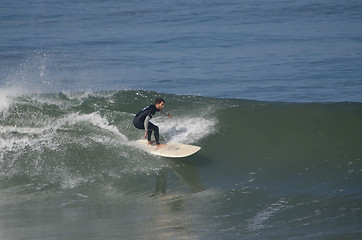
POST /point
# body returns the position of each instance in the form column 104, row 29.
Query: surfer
column 142, row 120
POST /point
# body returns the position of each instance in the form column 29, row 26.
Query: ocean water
column 270, row 90
column 300, row 51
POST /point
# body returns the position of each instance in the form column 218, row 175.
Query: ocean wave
column 78, row 138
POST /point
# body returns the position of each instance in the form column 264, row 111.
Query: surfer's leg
column 156, row 132
column 157, row 137
column 138, row 124
column 149, row 133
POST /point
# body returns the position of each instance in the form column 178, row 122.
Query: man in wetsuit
column 142, row 120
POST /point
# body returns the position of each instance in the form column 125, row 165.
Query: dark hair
column 159, row 100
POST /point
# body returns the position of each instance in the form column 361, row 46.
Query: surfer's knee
column 156, row 129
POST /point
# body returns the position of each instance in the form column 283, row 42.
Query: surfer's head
column 159, row 103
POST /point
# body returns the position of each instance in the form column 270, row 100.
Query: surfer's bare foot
column 161, row 145
column 150, row 142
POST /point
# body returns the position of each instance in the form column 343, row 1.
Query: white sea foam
column 259, row 221
column 7, row 97
column 95, row 119
column 186, row 129
column 19, row 138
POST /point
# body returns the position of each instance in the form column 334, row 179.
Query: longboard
column 171, row 150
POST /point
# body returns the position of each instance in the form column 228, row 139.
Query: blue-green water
column 71, row 169
column 271, row 91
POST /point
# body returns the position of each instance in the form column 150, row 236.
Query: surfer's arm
column 166, row 113
column 147, row 120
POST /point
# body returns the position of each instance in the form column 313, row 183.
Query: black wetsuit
column 141, row 121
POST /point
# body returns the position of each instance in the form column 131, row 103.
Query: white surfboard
column 171, row 150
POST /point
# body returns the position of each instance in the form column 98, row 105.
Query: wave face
column 67, row 139
column 263, row 168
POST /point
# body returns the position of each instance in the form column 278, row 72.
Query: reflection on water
column 170, row 214
column 184, row 170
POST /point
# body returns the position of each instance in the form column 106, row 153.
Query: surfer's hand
column 145, row 134
column 169, row 115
